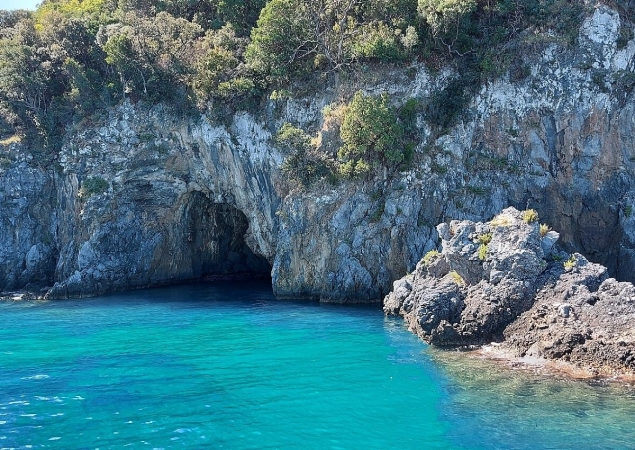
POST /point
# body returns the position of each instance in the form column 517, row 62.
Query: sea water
column 225, row 365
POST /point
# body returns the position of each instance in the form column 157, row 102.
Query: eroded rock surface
column 504, row 281
column 560, row 139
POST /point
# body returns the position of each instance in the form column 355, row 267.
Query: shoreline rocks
column 504, row 282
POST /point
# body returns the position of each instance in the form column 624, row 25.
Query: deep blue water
column 227, row 366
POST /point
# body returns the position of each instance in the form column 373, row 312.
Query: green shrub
column 305, row 168
column 501, row 220
column 292, row 139
column 408, row 115
column 446, row 17
column 628, row 211
column 430, row 256
column 5, row 162
column 544, row 229
column 305, row 164
column 478, row 190
column 530, row 216
column 92, row 186
column 438, row 168
column 457, row 278
column 445, row 105
column 570, row 263
column 278, row 44
column 377, row 213
column 626, row 34
column 624, row 81
column 377, row 41
column 484, row 238
column 371, row 134
column 482, row 252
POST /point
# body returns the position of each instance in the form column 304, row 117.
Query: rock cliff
column 145, row 196
column 504, row 281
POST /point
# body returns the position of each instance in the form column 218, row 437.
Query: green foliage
column 5, row 162
column 598, row 77
column 475, row 27
column 628, row 211
column 570, row 263
column 278, row 43
column 296, row 36
column 91, row 12
column 626, row 34
column 501, row 220
column 72, row 58
column 482, row 252
column 377, row 213
column 220, row 72
column 437, row 168
column 456, row 278
column 530, row 216
column 484, row 238
column 292, row 139
column 92, row 186
column 304, row 164
column 623, row 83
column 484, row 39
column 544, row 229
column 209, row 14
column 445, row 17
column 372, row 136
column 377, row 40
column 51, row 69
column 556, row 257
column 430, row 256
column 152, row 55
column 445, row 105
column 478, row 190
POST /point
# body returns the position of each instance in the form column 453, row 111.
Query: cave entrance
column 215, row 238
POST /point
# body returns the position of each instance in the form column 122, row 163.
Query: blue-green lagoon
column 226, row 365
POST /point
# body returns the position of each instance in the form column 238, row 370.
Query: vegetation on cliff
column 72, row 59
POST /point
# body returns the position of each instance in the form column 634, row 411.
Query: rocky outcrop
column 504, row 281
column 181, row 197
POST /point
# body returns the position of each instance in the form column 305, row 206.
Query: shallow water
column 227, row 366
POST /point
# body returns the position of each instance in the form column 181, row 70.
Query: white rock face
column 599, row 34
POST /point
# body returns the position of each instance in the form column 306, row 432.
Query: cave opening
column 215, row 241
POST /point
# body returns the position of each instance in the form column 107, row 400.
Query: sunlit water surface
column 227, row 366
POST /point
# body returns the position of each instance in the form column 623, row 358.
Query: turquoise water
column 226, row 366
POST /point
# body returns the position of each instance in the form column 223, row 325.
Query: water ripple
column 228, row 366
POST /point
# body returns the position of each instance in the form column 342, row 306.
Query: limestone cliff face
column 183, row 200
column 189, row 197
column 560, row 140
column 27, row 222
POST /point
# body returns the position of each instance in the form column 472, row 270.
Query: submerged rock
column 498, row 284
